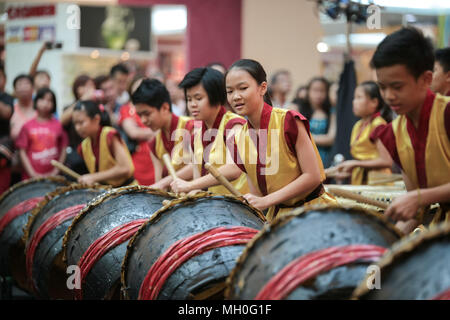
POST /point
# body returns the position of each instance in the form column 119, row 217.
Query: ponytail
column 92, row 108
column 373, row 91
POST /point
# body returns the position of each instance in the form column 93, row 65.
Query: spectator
column 23, row 109
column 120, row 75
column 217, row 66
column 441, row 73
column 177, row 98
column 109, row 95
column 42, row 139
column 280, row 86
column 322, row 118
column 6, row 145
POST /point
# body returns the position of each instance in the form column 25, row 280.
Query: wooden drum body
column 305, row 255
column 187, row 249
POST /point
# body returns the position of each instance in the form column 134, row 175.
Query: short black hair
column 153, row 93
column 212, row 80
column 443, row 57
column 92, row 108
column 407, row 46
column 20, row 77
column 119, row 68
column 41, row 94
column 255, row 70
column 98, row 81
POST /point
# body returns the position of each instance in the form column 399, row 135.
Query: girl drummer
column 369, row 156
column 288, row 171
column 205, row 96
column 106, row 156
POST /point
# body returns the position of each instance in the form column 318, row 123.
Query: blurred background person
column 6, row 144
column 280, row 87
column 441, row 72
column 109, row 97
column 121, row 76
column 42, row 139
column 322, row 117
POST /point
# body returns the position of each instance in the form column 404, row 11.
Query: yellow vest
column 179, row 156
column 437, row 149
column 106, row 160
column 282, row 165
column 218, row 155
column 362, row 148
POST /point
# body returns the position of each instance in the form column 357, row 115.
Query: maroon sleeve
column 290, row 128
column 386, row 135
column 447, row 119
column 230, row 124
column 376, row 132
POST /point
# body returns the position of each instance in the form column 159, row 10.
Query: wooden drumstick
column 65, row 169
column 354, row 196
column 222, row 179
column 168, row 163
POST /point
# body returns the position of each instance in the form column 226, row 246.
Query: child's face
column 44, row 106
column 198, row 103
column 84, row 125
column 24, row 89
column 441, row 79
column 150, row 116
column 401, row 90
column 244, row 94
column 363, row 106
column 41, row 81
column 317, row 93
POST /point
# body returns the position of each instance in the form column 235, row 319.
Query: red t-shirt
column 143, row 165
column 43, row 142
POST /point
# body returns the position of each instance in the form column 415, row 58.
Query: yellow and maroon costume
column 177, row 146
column 211, row 147
column 99, row 157
column 363, row 148
column 270, row 160
column 423, row 153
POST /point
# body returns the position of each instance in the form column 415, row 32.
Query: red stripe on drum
column 102, row 245
column 18, row 210
column 313, row 264
column 50, row 224
column 184, row 249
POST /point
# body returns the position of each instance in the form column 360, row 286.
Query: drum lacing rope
column 443, row 296
column 102, row 245
column 314, row 263
column 18, row 210
column 50, row 224
column 186, row 248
